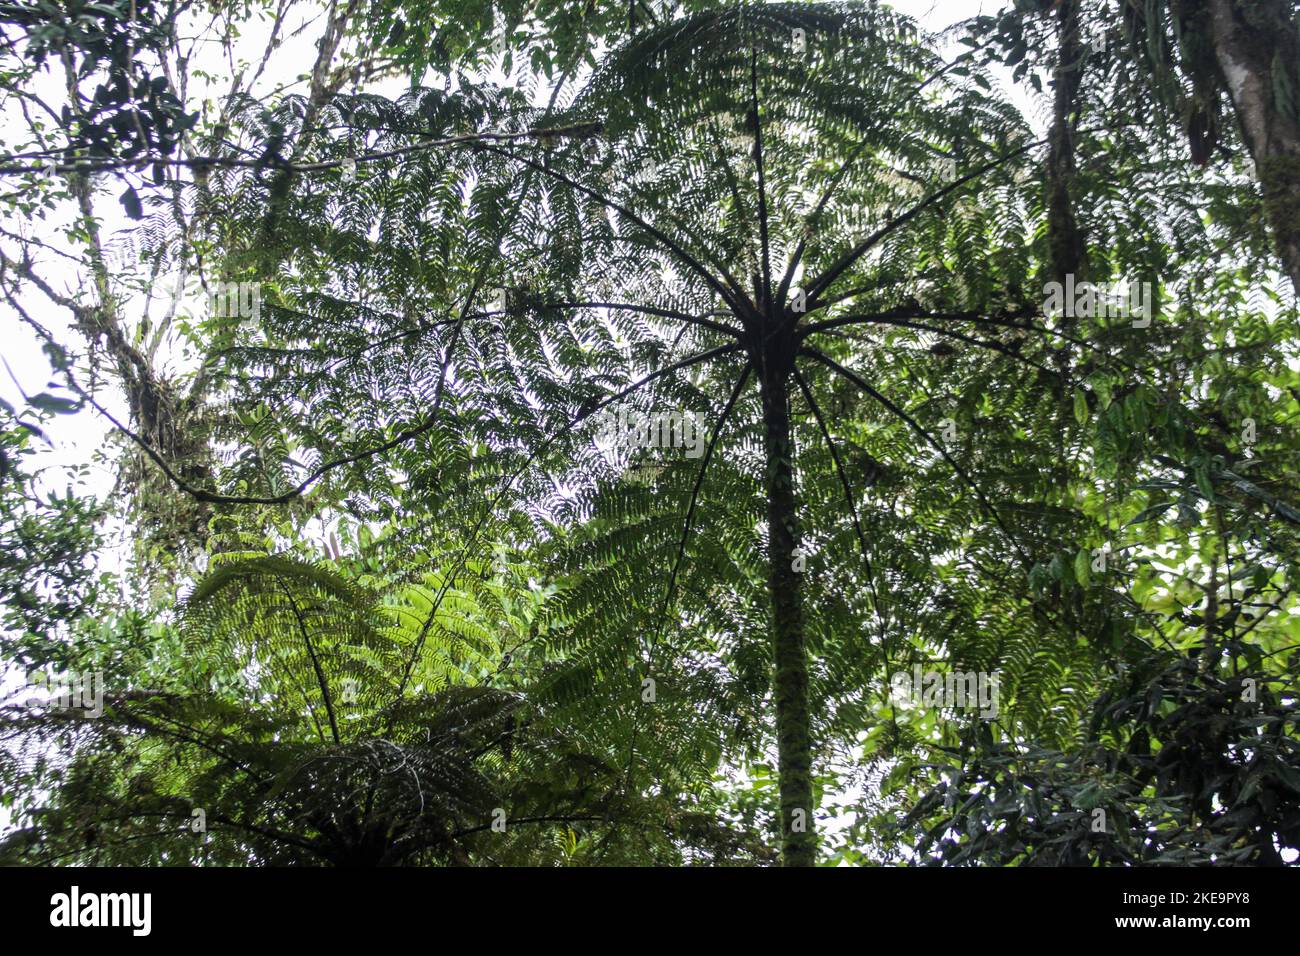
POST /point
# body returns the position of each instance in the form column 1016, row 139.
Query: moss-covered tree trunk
column 789, row 655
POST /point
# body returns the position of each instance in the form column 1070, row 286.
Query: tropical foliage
column 389, row 594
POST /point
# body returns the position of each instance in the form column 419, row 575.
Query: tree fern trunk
column 1068, row 251
column 790, row 659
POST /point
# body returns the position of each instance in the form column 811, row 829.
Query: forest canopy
column 653, row 433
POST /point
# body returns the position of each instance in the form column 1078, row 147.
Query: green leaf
column 1080, row 406
column 130, row 201
column 1082, row 567
column 1146, row 514
column 1203, row 482
column 53, row 403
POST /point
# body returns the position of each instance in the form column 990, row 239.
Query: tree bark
column 789, row 654
column 1256, row 46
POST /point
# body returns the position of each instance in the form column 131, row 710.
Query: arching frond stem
column 731, row 291
column 845, row 262
column 840, row 173
column 699, row 483
column 930, row 439
column 959, row 336
column 699, row 320
column 533, row 456
column 756, row 121
column 844, row 483
column 305, row 633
